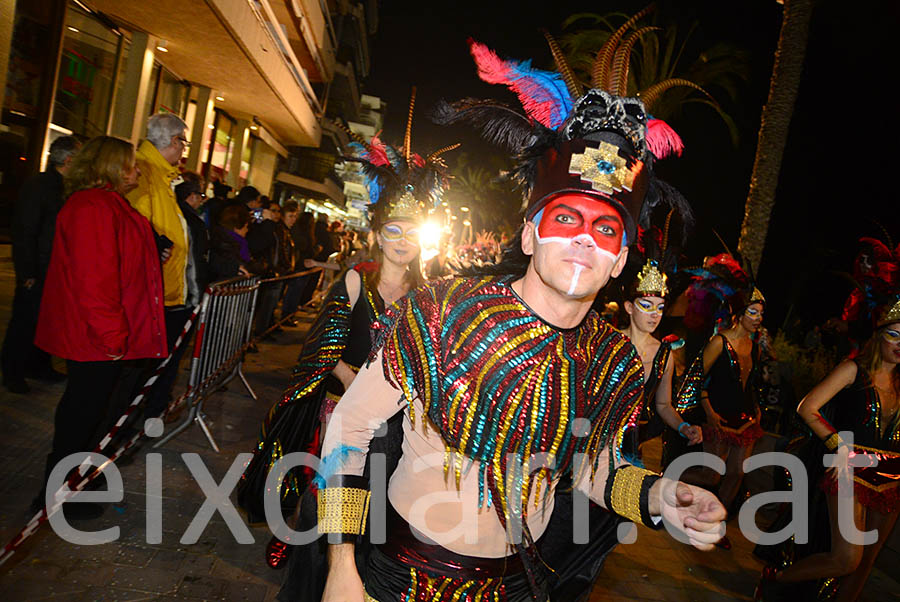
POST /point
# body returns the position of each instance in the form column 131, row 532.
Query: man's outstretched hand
column 693, row 511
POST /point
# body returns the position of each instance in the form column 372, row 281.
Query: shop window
column 219, row 148
column 172, row 94
column 86, row 74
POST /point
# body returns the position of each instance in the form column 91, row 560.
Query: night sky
column 836, row 174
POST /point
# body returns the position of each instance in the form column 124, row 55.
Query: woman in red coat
column 102, row 303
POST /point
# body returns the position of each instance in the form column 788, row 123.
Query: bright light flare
column 429, row 239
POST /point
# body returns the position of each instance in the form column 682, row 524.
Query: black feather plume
column 663, row 197
column 496, row 122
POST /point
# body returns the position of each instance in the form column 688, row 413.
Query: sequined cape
column 292, row 423
column 496, row 380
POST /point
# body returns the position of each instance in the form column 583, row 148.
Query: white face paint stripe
column 566, row 241
column 578, row 269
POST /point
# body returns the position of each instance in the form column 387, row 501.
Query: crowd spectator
column 154, row 198
column 190, row 198
column 103, row 301
column 286, row 257
column 271, row 243
column 324, row 244
column 229, row 253
column 439, row 265
column 33, row 223
column 217, row 203
column 304, row 235
column 249, row 197
column 293, row 288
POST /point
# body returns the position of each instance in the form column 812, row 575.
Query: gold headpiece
column 651, row 282
column 890, row 314
column 756, row 296
column 407, row 184
column 406, row 207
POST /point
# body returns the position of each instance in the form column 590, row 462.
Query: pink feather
column 542, row 93
column 377, row 153
column 662, row 140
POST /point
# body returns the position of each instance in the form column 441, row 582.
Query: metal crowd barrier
column 224, row 331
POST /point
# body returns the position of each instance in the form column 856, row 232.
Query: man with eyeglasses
column 158, row 157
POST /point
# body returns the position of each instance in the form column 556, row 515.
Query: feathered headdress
column 876, row 276
column 719, row 289
column 595, row 142
column 401, row 184
column 651, row 262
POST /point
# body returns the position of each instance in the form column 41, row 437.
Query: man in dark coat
column 190, row 197
column 217, row 203
column 33, row 225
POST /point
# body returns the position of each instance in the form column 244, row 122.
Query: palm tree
column 650, row 62
column 491, row 200
column 773, row 130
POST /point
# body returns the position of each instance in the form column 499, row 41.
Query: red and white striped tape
column 82, row 477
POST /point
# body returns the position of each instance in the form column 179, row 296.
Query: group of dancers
column 497, row 400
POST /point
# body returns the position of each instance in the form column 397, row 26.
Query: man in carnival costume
column 508, row 383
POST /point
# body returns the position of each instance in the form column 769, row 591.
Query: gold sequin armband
column 833, row 442
column 628, row 494
column 344, row 508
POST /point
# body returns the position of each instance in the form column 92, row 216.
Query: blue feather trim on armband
column 330, row 464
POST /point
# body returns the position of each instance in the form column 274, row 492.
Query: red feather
column 377, row 154
column 662, row 140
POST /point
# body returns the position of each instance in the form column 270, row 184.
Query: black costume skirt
column 575, row 567
column 293, row 428
column 307, row 566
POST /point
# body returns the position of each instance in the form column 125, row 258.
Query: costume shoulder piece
column 369, row 290
column 496, row 380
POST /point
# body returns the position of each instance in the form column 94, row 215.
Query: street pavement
column 216, row 567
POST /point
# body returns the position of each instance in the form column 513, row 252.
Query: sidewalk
column 216, row 567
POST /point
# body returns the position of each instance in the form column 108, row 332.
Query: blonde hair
column 870, row 360
column 99, row 164
column 413, row 276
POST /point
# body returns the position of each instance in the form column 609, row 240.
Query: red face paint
column 572, row 216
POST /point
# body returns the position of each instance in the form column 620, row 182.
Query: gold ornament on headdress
column 890, row 314
column 411, row 204
column 603, row 168
column 756, row 297
column 406, row 207
column 651, row 282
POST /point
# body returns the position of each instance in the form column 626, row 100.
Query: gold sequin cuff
column 343, row 510
column 628, row 494
column 833, row 442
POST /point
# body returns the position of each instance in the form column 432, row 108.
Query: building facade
column 258, row 83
